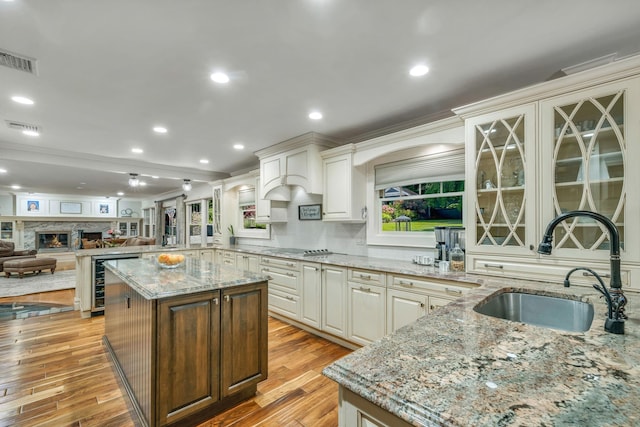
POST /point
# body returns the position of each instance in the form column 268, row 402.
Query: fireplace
column 53, row 241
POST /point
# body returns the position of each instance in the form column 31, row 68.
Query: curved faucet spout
column 614, row 241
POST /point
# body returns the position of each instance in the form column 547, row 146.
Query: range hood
column 294, row 162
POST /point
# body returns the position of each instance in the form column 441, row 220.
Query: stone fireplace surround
column 32, row 227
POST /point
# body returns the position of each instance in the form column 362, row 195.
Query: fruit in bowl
column 170, row 260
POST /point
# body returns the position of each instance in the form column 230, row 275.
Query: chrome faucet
column 616, row 301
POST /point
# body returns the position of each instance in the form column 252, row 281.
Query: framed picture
column 33, row 205
column 70, row 208
column 104, row 209
column 309, row 212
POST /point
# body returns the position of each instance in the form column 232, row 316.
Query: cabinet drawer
column 367, row 277
column 288, row 280
column 284, row 303
column 544, row 269
column 416, row 284
column 280, row 262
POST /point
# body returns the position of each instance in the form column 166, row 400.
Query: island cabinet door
column 188, row 355
column 244, row 338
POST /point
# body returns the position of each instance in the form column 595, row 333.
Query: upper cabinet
column 500, row 158
column 564, row 147
column 343, row 195
column 293, row 162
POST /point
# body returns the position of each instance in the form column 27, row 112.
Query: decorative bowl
column 165, row 260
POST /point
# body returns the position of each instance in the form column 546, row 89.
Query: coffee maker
column 442, row 236
column 446, row 239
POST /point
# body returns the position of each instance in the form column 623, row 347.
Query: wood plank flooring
column 54, row 371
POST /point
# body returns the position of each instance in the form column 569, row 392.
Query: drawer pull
column 265, row 269
column 290, row 298
column 432, row 307
column 215, row 301
column 265, row 260
column 227, row 298
column 291, row 275
column 605, row 275
column 363, row 289
column 406, row 284
column 421, row 305
column 289, row 264
column 453, row 291
column 487, row 265
column 365, row 276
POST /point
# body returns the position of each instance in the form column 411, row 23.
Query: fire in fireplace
column 53, row 240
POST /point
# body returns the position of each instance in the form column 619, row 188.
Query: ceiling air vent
column 22, row 126
column 17, row 62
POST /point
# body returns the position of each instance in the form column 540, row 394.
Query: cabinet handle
column 453, row 291
column 290, row 298
column 363, row 289
column 487, row 265
column 432, row 307
column 215, row 301
column 266, row 261
column 227, row 298
column 289, row 264
column 291, row 275
column 265, row 269
column 365, row 276
column 421, row 305
column 128, row 301
column 606, row 275
column 406, row 284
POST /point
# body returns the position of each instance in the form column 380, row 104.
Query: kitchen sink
column 539, row 310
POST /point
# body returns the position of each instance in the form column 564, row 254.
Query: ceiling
column 108, row 71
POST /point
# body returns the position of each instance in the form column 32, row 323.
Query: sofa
column 139, row 241
column 8, row 252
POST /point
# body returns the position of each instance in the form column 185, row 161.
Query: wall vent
column 17, row 62
column 12, row 124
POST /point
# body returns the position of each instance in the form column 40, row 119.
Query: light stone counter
column 455, row 367
column 154, row 282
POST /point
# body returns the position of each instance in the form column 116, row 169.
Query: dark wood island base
column 187, row 357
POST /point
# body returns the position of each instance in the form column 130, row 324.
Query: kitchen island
column 456, row 367
column 187, row 342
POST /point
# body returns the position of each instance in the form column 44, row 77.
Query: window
column 247, row 206
column 421, row 207
column 414, row 195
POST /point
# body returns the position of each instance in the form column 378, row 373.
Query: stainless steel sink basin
column 539, row 310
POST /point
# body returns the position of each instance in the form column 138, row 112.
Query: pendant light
column 133, row 180
column 186, row 185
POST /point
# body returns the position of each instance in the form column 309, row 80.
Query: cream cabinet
column 7, row 230
column 295, row 162
column 206, row 255
column 355, row 411
column 366, row 312
column 249, row 262
column 334, row 300
column 284, row 285
column 227, row 258
column 269, row 211
column 343, row 195
column 404, row 308
column 311, row 294
column 129, row 228
column 563, row 150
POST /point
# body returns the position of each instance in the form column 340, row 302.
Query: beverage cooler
column 97, row 280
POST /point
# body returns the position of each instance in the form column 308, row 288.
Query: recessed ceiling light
column 160, row 129
column 15, row 187
column 30, row 132
column 204, row 161
column 3, row 171
column 120, row 193
column 315, row 115
column 22, row 100
column 137, row 150
column 238, row 146
column 219, row 77
column 419, row 70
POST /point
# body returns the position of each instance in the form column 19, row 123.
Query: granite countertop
column 458, row 367
column 117, row 250
column 154, row 282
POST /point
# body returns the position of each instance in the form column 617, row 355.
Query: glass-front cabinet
column 149, row 222
column 200, row 217
column 589, row 143
column 7, row 230
column 503, row 158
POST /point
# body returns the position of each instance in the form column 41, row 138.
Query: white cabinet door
column 248, row 262
column 366, row 312
column 206, row 255
column 404, row 308
column 501, row 182
column 334, row 300
column 311, row 288
column 344, row 189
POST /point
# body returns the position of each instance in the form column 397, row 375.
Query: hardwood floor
column 54, row 371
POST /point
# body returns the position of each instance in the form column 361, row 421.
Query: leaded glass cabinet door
column 586, row 139
column 503, row 160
